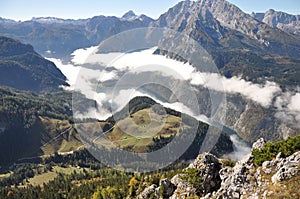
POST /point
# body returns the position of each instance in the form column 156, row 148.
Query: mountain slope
column 32, row 125
column 145, row 129
column 240, row 46
column 218, row 24
column 22, row 68
column 276, row 19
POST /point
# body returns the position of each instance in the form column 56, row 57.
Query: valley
column 201, row 102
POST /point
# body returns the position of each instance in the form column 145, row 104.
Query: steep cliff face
column 252, row 121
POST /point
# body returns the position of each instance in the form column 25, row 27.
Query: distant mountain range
column 281, row 20
column 58, row 37
column 217, row 24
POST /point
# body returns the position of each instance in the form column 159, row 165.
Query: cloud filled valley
column 268, row 95
column 86, row 80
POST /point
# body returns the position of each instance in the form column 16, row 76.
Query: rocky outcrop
column 286, row 168
column 244, row 180
column 148, row 192
column 166, row 188
column 258, row 144
column 236, row 181
column 208, row 166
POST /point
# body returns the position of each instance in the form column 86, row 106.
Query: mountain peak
column 129, row 15
column 271, row 10
column 277, row 19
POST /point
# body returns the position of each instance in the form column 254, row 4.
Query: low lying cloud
column 83, row 79
column 80, row 55
column 240, row 149
column 262, row 94
column 288, row 106
column 69, row 70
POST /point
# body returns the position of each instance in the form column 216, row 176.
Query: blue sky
column 24, row 10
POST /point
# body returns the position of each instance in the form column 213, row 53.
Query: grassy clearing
column 59, row 136
column 48, row 176
column 68, row 170
column 5, row 175
column 42, row 178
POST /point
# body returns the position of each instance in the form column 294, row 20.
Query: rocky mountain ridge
column 241, row 46
column 281, row 20
column 216, row 24
column 220, row 25
column 218, row 179
column 55, row 37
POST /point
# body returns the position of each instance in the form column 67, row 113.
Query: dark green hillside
column 22, row 68
column 29, row 121
column 256, row 67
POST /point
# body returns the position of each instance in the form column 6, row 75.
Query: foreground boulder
column 286, row 168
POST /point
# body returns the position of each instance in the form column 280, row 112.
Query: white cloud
column 288, row 106
column 100, row 114
column 79, row 56
column 295, row 103
column 262, row 94
column 69, row 70
column 240, row 149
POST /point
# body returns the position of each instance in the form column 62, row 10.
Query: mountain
column 22, row 68
column 218, row 24
column 281, row 20
column 142, row 127
column 55, row 20
column 215, row 24
column 241, row 46
column 60, row 37
column 129, row 15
